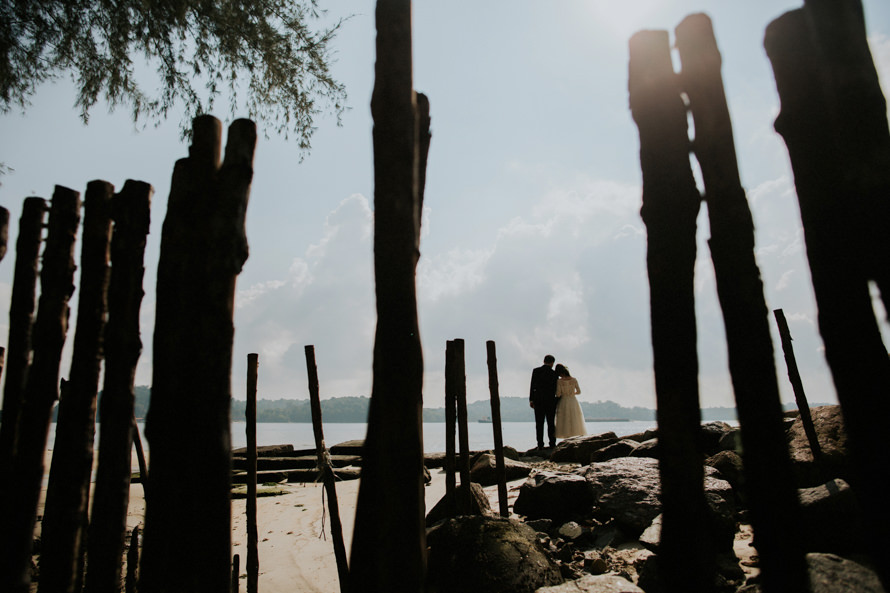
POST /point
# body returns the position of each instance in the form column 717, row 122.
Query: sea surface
column 519, row 435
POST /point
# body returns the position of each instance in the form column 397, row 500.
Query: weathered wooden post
column 775, row 515
column 834, row 214
column 327, row 471
column 4, row 231
column 140, row 457
column 131, row 211
column 132, row 562
column 391, row 493
column 670, row 207
column 253, row 555
column 500, row 467
column 21, row 321
column 450, row 421
column 68, row 489
column 460, row 391
column 203, row 248
column 19, row 505
column 236, row 574
column 800, row 395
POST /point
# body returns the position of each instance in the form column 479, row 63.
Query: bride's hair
column 562, row 371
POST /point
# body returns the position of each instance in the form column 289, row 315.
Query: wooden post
column 500, row 467
column 253, row 555
column 769, row 480
column 797, row 385
column 460, row 391
column 18, row 506
column 327, row 471
column 834, row 215
column 236, row 574
column 132, row 562
column 450, row 420
column 391, row 493
column 21, row 321
column 123, row 346
column 4, row 231
column 203, row 248
column 68, row 489
column 670, row 207
column 140, row 458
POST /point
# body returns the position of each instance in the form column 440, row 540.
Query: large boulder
column 484, row 469
column 712, row 434
column 623, row 448
column 491, row 554
column 604, row 583
column 627, row 489
column 832, row 522
column 452, row 505
column 829, row 424
column 648, row 448
column 554, row 495
column 729, row 465
column 833, row 574
column 579, row 449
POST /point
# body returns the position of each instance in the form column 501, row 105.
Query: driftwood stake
column 67, row 495
column 460, row 391
column 18, row 506
column 236, row 574
column 203, row 248
column 836, row 217
column 391, row 493
column 496, row 426
column 670, row 207
column 131, row 211
column 327, row 471
column 769, row 480
column 4, row 231
column 253, row 555
column 450, row 427
column 800, row 395
column 132, row 562
column 21, row 321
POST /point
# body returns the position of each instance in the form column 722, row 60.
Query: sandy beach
column 295, row 547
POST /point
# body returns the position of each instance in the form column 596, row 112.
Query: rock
column 651, row 536
column 483, row 469
column 731, row 441
column 491, row 554
column 729, row 465
column 479, row 505
column 644, row 436
column 579, row 449
column 570, row 530
column 540, row 525
column 648, row 448
column 829, row 424
column 712, row 433
column 623, row 448
column 594, row 584
column 303, row 462
column 832, row 522
column 554, row 495
column 833, row 574
column 348, row 448
column 627, row 489
column 266, row 451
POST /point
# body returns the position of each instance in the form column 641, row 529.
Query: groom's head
column 549, row 360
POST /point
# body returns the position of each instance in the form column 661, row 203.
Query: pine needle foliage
column 269, row 58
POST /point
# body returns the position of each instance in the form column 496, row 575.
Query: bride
column 569, row 417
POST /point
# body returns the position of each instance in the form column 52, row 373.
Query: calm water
column 519, row 435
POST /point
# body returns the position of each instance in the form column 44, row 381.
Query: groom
column 542, row 397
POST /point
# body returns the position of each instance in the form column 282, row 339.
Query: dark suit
column 543, row 395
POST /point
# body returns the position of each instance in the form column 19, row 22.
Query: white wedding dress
column 569, row 417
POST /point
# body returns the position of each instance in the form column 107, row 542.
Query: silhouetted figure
column 542, row 397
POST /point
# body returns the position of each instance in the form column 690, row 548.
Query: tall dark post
column 203, row 248
column 460, row 391
column 253, row 557
column 500, row 467
column 131, row 211
column 18, row 506
column 450, row 425
column 775, row 515
column 21, row 321
column 391, row 496
column 797, row 385
column 670, row 207
column 327, row 472
column 68, row 489
column 834, row 216
column 4, row 231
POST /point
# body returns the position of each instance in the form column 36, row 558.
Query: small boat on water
column 486, row 420
column 605, row 420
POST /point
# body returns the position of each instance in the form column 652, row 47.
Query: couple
column 552, row 395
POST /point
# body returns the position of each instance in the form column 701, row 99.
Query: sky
column 531, row 232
